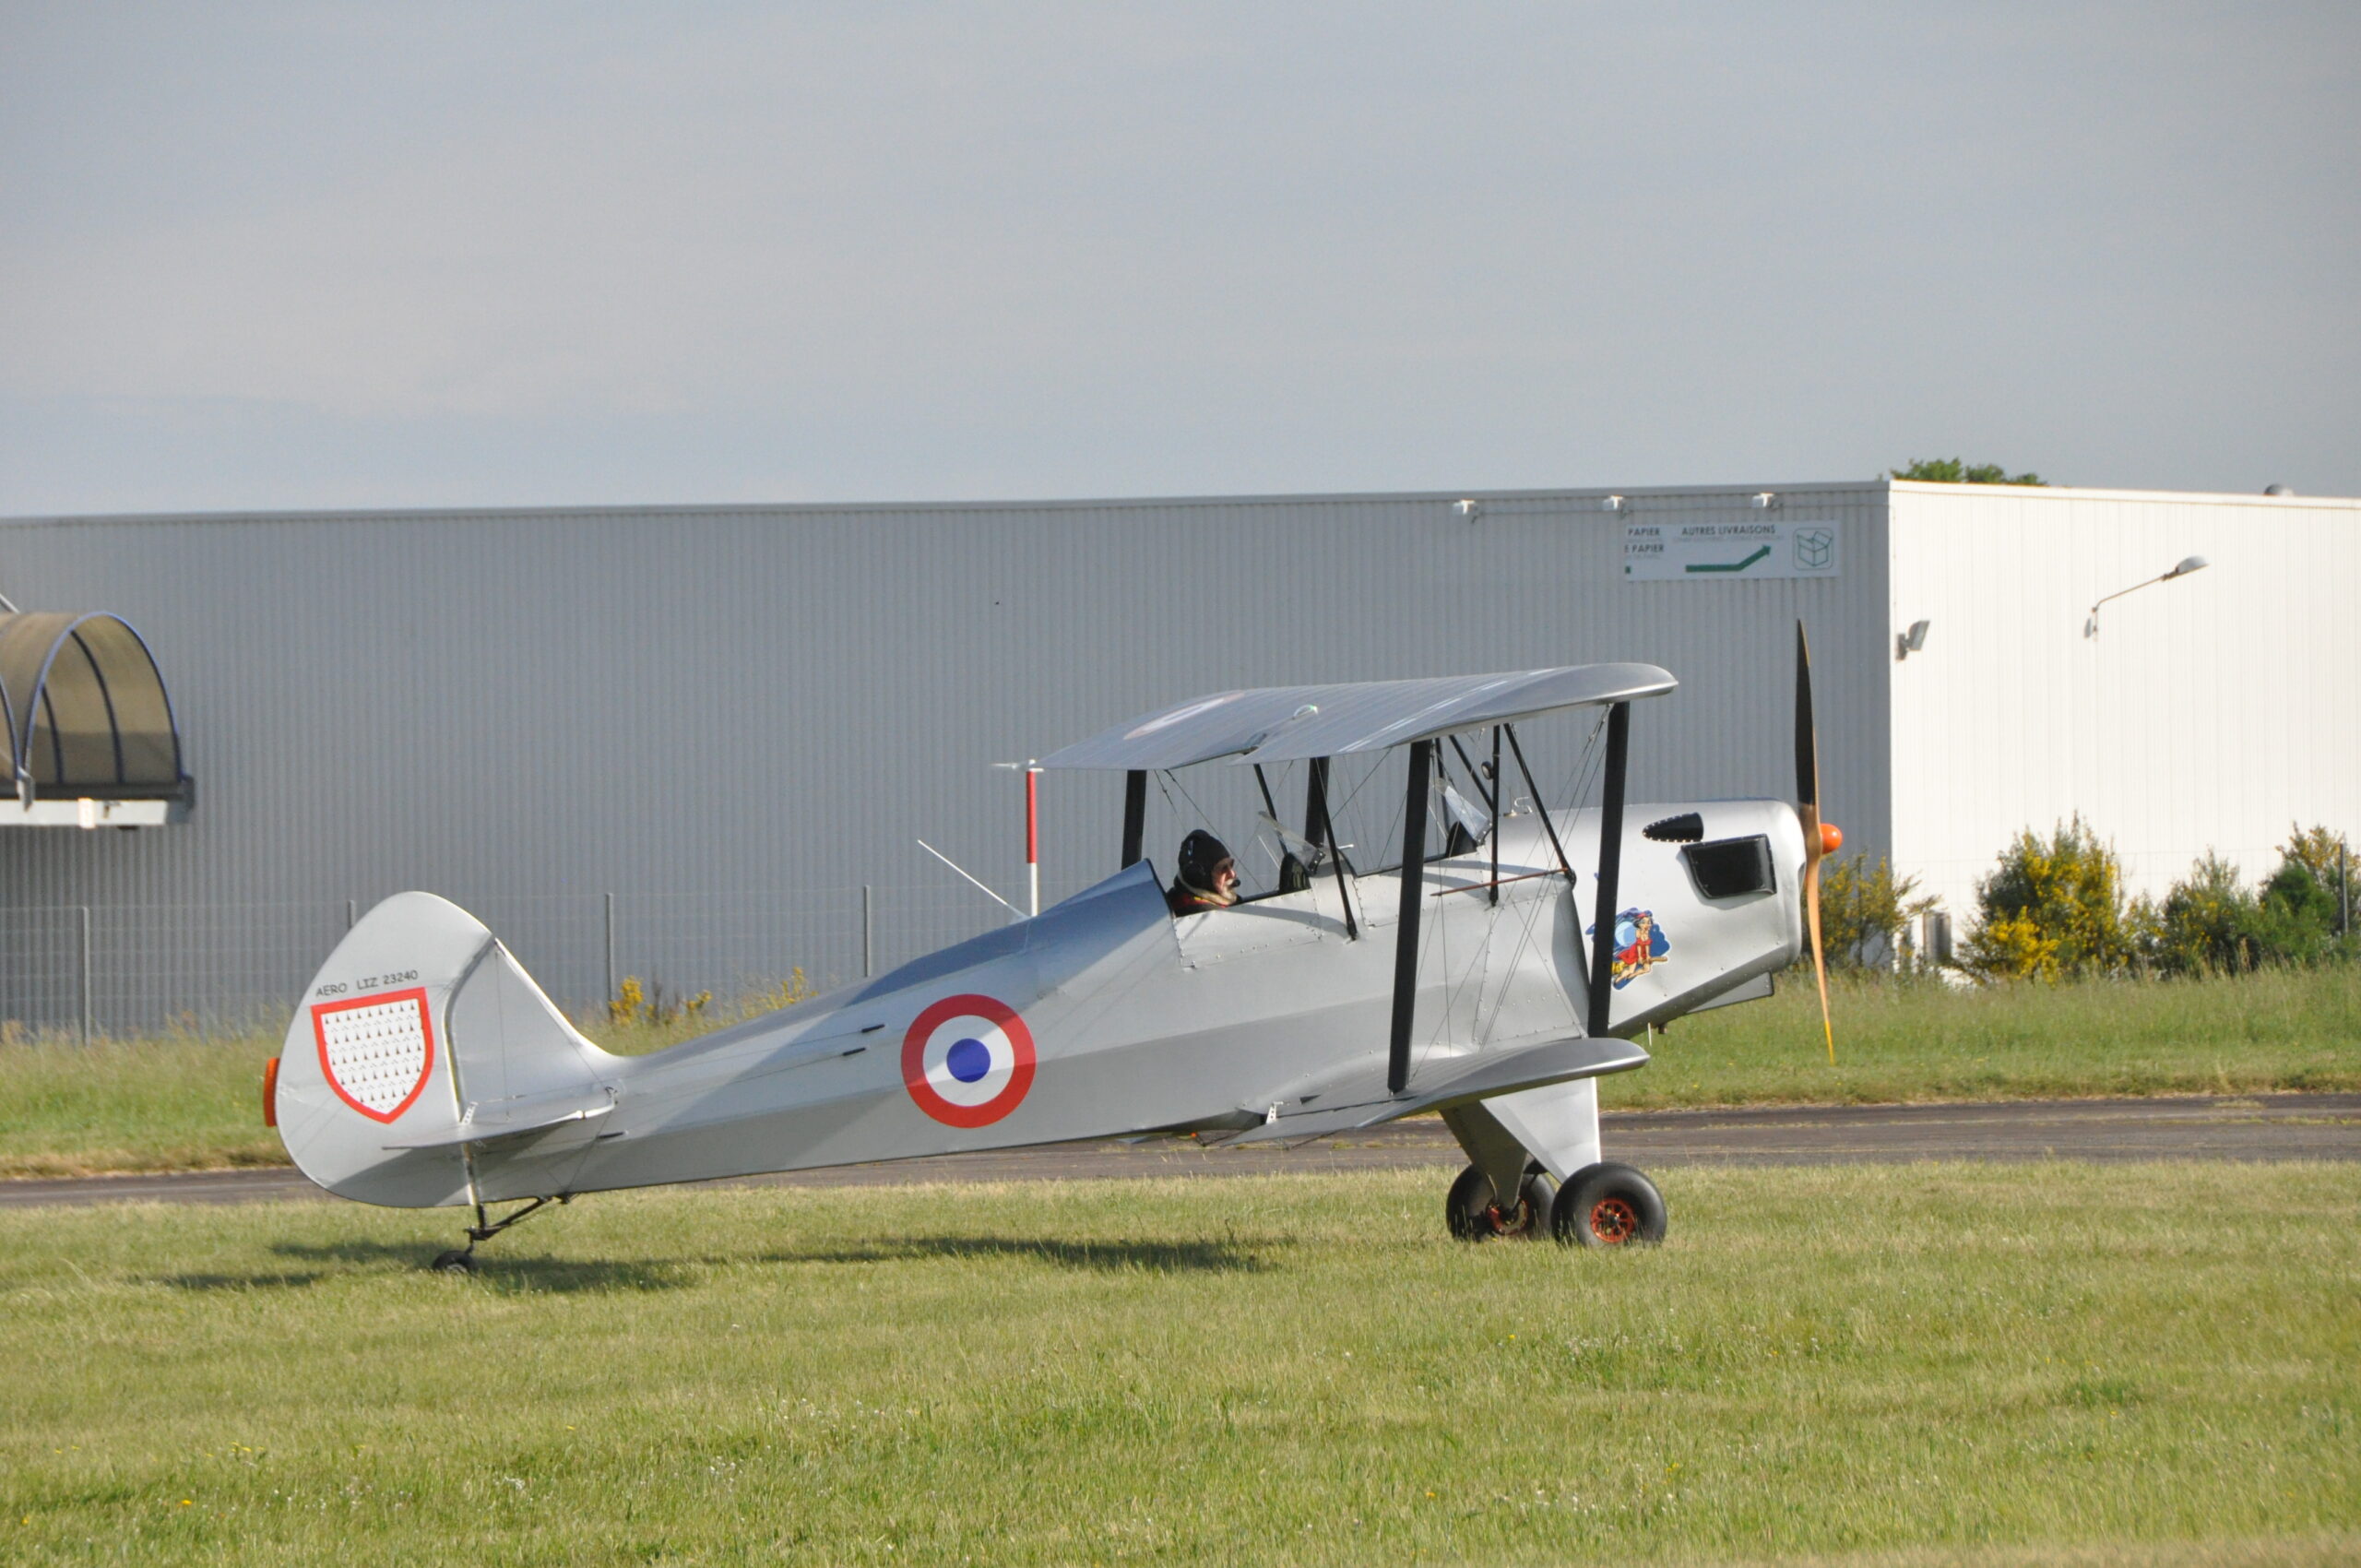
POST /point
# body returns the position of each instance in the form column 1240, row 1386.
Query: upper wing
column 1288, row 723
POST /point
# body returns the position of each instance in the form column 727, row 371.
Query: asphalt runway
column 2259, row 1127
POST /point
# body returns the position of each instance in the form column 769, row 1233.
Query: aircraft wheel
column 1608, row 1206
column 1475, row 1212
column 457, row 1261
column 1540, row 1200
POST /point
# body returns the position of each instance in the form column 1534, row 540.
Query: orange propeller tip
column 1832, row 838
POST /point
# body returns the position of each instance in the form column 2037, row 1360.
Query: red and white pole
column 1033, row 835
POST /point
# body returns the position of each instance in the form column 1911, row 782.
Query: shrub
column 2211, row 924
column 1863, row 909
column 634, row 1007
column 2208, row 923
column 2052, row 907
column 2300, row 916
column 2313, row 882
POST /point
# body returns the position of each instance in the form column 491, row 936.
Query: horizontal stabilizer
column 475, row 1130
column 1487, row 1073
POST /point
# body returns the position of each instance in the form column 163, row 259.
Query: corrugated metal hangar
column 732, row 719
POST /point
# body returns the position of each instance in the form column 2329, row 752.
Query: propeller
column 1820, row 840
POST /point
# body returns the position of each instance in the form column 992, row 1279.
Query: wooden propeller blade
column 1811, row 916
column 1807, row 732
column 1808, row 809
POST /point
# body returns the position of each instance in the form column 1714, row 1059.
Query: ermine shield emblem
column 376, row 1052
column 968, row 1060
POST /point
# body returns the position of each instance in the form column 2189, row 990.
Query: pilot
column 1208, row 879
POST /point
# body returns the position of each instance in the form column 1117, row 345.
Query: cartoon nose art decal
column 1640, row 945
column 968, row 1060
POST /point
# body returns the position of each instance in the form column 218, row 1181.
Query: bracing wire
column 1527, row 911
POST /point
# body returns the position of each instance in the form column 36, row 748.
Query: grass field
column 1911, row 1365
column 2277, row 1030
column 192, row 1103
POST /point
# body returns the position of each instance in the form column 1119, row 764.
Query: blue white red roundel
column 968, row 1060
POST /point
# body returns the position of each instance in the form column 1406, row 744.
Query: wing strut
column 1535, row 790
column 1320, row 829
column 1495, row 804
column 1406, row 955
column 1134, row 814
column 1488, row 786
column 1610, row 867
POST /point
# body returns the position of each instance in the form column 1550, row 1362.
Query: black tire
column 1475, row 1215
column 458, row 1260
column 1540, row 1200
column 1608, row 1206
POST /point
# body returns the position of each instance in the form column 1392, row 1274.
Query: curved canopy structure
column 89, row 724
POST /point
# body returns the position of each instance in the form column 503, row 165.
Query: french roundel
column 968, row 1060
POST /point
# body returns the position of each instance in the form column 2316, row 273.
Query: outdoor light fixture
column 1614, row 504
column 2188, row 564
column 1910, row 642
column 1468, row 509
column 1765, row 499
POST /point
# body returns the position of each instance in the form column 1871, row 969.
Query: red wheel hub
column 1614, row 1221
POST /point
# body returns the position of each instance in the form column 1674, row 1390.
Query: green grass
column 2281, row 1030
column 1908, row 1365
column 187, row 1102
column 184, row 1103
column 181, row 1101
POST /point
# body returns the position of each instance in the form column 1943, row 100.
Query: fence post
column 86, row 973
column 868, row 930
column 611, row 948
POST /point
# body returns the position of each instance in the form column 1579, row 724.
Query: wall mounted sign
column 1719, row 552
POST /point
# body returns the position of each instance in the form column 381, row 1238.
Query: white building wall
column 2211, row 711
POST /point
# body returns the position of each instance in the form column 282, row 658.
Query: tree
column 1951, row 470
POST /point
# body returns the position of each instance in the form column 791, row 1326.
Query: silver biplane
column 1492, row 974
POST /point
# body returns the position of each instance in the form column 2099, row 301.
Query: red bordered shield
column 376, row 1052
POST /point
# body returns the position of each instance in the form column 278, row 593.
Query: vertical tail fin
column 423, row 1059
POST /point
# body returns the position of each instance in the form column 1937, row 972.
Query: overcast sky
column 419, row 254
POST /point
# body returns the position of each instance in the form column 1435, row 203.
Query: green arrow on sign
column 1731, row 565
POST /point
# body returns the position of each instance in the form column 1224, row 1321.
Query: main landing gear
column 1604, row 1205
column 1476, row 1213
column 462, row 1260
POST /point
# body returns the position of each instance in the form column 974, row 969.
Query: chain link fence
column 76, row 970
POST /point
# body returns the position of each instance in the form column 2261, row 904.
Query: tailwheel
column 462, row 1260
column 1475, row 1212
column 1608, row 1206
